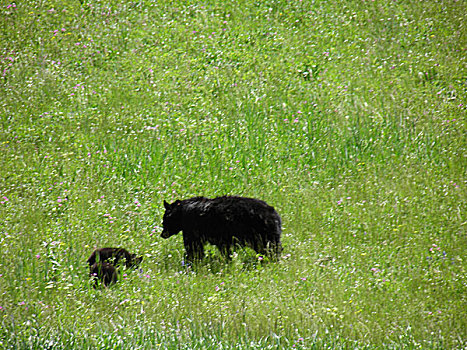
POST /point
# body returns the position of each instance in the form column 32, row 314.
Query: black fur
column 116, row 256
column 224, row 221
column 104, row 272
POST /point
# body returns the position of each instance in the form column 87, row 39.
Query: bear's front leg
column 225, row 251
column 194, row 248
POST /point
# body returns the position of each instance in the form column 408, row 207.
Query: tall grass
column 348, row 118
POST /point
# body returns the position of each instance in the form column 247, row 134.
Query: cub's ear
column 166, row 205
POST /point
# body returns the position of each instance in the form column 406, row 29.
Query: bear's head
column 135, row 261
column 171, row 222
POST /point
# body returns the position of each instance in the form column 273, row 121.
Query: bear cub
column 103, row 264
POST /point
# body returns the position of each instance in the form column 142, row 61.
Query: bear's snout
column 165, row 234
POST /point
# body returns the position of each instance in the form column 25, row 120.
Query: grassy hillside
column 348, row 118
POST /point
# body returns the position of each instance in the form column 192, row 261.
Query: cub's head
column 135, row 261
column 172, row 220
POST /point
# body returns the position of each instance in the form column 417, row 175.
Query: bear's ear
column 166, row 205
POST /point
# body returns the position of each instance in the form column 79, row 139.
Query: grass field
column 348, row 117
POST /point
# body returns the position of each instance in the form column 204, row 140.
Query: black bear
column 223, row 222
column 104, row 272
column 114, row 256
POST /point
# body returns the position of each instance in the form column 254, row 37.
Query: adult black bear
column 224, row 221
column 114, row 256
column 104, row 272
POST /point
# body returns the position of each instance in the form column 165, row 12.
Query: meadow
column 348, row 117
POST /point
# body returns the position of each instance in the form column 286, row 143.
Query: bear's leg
column 194, row 250
column 273, row 249
column 225, row 250
column 95, row 279
column 110, row 277
column 269, row 248
column 258, row 246
column 104, row 272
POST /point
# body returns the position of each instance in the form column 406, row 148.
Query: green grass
column 348, row 118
